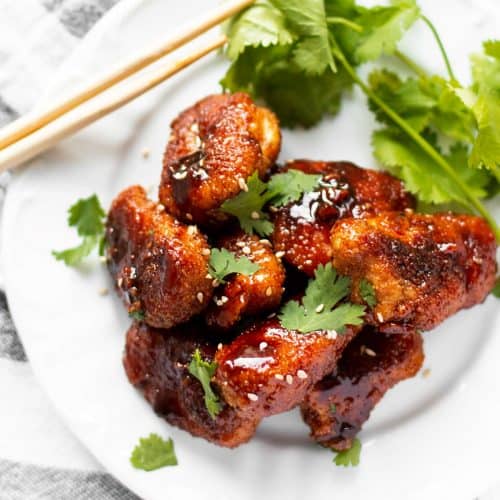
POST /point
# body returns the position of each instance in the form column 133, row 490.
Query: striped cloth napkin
column 39, row 458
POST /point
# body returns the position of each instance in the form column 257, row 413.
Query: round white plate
column 429, row 438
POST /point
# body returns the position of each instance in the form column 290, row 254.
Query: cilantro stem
column 416, row 68
column 345, row 22
column 420, row 141
column 427, row 21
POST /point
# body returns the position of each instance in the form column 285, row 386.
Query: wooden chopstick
column 80, row 117
column 34, row 121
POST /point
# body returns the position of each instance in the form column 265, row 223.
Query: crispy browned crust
column 159, row 266
column 372, row 363
column 424, row 268
column 268, row 370
column 215, row 146
column 247, row 295
column 156, row 363
column 302, row 229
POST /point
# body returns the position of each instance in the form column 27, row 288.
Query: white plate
column 428, row 438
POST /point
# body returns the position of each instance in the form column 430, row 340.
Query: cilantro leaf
column 291, row 185
column 367, row 293
column 492, row 48
column 349, row 457
column 204, row 371
column 87, row 216
column 153, row 453
column 315, row 313
column 496, row 288
column 137, row 315
column 223, row 263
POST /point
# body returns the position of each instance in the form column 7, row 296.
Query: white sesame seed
column 272, row 315
column 262, row 346
column 208, row 276
column 205, row 251
column 224, row 299
column 241, row 244
column 269, row 291
column 320, row 308
column 242, row 298
column 132, row 274
column 219, row 346
column 145, row 153
column 191, row 230
column 331, row 334
column 119, row 282
column 255, row 215
column 252, row 397
column 370, row 352
column 380, row 317
column 278, row 376
column 242, row 184
column 308, row 262
column 246, row 250
column 199, row 297
column 194, row 128
column 280, row 254
column 189, row 217
column 265, row 242
column 301, row 374
column 160, row 207
column 179, row 176
column 215, row 283
column 103, row 291
column 289, row 379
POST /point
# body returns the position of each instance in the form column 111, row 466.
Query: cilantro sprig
column 320, row 309
column 367, row 293
column 248, row 206
column 153, row 452
column 204, row 371
column 87, row 216
column 223, row 263
column 418, row 114
column 349, row 457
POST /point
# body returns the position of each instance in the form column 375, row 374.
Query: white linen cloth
column 39, row 457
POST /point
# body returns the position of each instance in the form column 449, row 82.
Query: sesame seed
column 241, row 244
column 380, row 317
column 242, row 184
column 119, row 282
column 224, row 299
column 289, row 379
column 160, row 207
column 191, row 230
column 320, row 308
column 145, row 153
column 269, row 291
column 331, row 334
column 255, row 215
column 308, row 262
column 242, row 298
column 265, row 242
column 215, row 283
column 272, row 315
column 246, row 250
column 301, row 374
column 280, row 254
column 189, row 217
column 208, row 276
column 194, row 128
column 179, row 176
column 205, row 251
column 219, row 346
column 370, row 352
column 199, row 297
column 262, row 346
column 132, row 274
column 103, row 291
column 426, row 373
column 252, row 397
column 278, row 376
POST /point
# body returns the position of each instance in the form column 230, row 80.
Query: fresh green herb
column 137, row 315
column 204, row 371
column 349, row 457
column 223, row 263
column 496, row 289
column 320, row 309
column 153, row 453
column 441, row 139
column 367, row 293
column 333, row 408
column 87, row 216
column 283, row 188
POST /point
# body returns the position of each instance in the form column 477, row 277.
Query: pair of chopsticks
column 40, row 130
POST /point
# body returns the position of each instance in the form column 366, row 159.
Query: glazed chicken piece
column 159, row 265
column 264, row 371
column 215, row 146
column 424, row 268
column 338, row 406
column 268, row 369
column 156, row 362
column 243, row 295
column 302, row 229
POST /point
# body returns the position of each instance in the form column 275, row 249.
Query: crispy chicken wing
column 302, row 229
column 247, row 295
column 424, row 268
column 337, row 407
column 159, row 265
column 215, row 146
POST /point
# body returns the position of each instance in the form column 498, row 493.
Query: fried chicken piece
column 338, row 406
column 156, row 363
column 424, row 268
column 302, row 229
column 159, row 265
column 215, row 146
column 268, row 369
column 247, row 295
